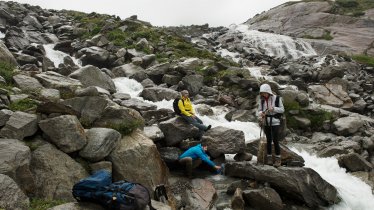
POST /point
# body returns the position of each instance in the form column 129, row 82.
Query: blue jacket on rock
column 198, row 152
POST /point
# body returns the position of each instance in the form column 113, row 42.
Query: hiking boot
column 208, row 128
column 269, row 160
column 278, row 161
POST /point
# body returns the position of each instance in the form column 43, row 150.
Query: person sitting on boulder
column 194, row 156
column 188, row 113
column 267, row 116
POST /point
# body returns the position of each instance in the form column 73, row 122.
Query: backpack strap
column 277, row 101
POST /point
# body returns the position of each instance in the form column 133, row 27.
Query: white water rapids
column 355, row 194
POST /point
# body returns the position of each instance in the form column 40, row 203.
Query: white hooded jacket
column 265, row 88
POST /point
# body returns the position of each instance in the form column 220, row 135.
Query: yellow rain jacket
column 186, row 107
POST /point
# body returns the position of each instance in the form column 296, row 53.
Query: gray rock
column 77, row 206
column 11, row 195
column 57, row 81
column 126, row 70
column 95, row 56
column 193, row 83
column 55, row 173
column 15, row 159
column 237, row 201
column 20, row 125
column 314, row 191
column 93, row 76
column 100, row 142
column 4, row 116
column 47, row 94
column 138, row 104
column 240, row 115
column 303, row 123
column 204, row 109
column 159, row 94
column 332, row 151
column 201, row 195
column 134, row 151
column 222, row 140
column 176, row 130
column 171, row 79
column 65, row 132
column 170, row 155
column 6, row 55
column 157, row 72
column 153, row 132
column 354, row 162
column 157, row 116
column 265, row 198
column 122, row 96
column 347, row 125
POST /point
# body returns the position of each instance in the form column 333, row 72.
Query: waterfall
column 273, row 44
column 2, row 35
column 355, row 193
column 57, row 57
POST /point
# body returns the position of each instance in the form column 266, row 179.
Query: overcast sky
column 169, row 12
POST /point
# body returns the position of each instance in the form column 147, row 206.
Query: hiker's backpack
column 122, row 195
column 175, row 106
column 280, row 116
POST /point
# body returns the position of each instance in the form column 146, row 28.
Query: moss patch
column 7, row 71
column 126, row 128
column 23, row 105
column 41, row 204
column 364, row 59
column 351, row 7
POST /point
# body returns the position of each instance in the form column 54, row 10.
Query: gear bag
column 175, row 106
column 122, row 195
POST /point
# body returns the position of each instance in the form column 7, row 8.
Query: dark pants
column 197, row 123
column 272, row 135
column 190, row 164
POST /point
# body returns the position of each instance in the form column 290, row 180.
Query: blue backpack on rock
column 122, row 195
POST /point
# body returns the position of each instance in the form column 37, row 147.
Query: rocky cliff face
column 351, row 35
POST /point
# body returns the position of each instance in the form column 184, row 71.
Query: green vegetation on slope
column 351, row 7
column 164, row 44
column 7, row 71
column 367, row 60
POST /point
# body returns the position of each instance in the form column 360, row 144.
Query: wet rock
column 354, row 162
column 265, row 198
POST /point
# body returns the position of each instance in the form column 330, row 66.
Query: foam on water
column 56, row 56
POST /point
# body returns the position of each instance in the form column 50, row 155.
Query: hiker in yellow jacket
column 188, row 113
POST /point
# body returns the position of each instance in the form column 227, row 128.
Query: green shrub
column 23, row 105
column 126, row 127
column 41, row 204
column 367, row 60
column 7, row 71
column 347, row 3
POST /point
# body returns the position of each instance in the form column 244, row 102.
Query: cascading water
column 2, row 35
column 272, row 44
column 56, row 56
column 355, row 193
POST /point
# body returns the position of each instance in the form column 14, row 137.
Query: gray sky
column 169, row 12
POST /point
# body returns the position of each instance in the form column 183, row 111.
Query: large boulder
column 159, row 94
column 134, row 152
column 55, row 173
column 201, row 195
column 351, row 35
column 193, row 83
column 27, row 83
column 332, row 95
column 347, row 125
column 57, row 81
column 20, row 125
column 138, row 105
column 265, row 198
column 11, row 196
column 100, row 142
column 119, row 117
column 127, row 70
column 65, row 132
column 90, row 108
column 222, row 140
column 93, row 76
column 95, row 56
column 4, row 116
column 289, row 182
column 15, row 159
column 177, row 129
column 354, row 162
column 157, row 72
column 6, row 55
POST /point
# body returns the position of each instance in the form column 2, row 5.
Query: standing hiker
column 194, row 156
column 187, row 112
column 269, row 119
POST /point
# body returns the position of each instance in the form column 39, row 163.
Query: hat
column 265, row 88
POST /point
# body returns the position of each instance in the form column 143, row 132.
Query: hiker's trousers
column 272, row 135
column 197, row 123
